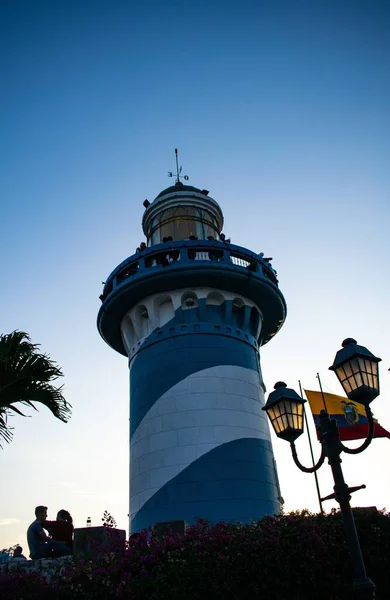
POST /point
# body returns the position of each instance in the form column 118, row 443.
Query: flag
column 350, row 416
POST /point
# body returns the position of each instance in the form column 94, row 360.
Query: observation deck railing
column 188, row 253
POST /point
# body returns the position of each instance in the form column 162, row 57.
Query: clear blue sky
column 281, row 110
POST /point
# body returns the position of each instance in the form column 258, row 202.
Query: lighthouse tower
column 190, row 311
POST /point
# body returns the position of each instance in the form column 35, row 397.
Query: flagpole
column 312, row 455
column 322, row 392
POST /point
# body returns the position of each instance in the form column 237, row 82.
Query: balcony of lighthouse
column 185, row 265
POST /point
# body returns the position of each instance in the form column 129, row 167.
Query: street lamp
column 285, row 411
column 357, row 371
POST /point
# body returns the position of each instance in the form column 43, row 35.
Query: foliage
column 26, row 376
column 287, row 557
column 26, row 586
column 108, row 520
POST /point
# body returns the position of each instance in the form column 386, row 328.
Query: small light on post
column 357, row 371
column 284, row 408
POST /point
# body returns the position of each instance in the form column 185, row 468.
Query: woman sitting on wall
column 61, row 529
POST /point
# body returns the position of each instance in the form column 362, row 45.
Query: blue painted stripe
column 233, row 482
column 160, row 366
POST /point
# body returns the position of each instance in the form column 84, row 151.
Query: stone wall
column 50, row 568
column 89, row 542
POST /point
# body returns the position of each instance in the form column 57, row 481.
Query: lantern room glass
column 181, row 223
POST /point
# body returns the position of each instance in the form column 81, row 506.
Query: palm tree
column 25, row 377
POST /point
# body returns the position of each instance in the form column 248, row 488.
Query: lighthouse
column 191, row 311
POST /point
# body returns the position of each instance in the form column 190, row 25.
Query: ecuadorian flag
column 350, row 416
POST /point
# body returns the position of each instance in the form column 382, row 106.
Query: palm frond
column 25, row 376
column 5, row 429
column 14, row 409
column 42, row 393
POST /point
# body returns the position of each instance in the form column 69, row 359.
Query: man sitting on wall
column 18, row 554
column 41, row 546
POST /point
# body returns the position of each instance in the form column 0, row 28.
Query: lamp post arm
column 312, row 469
column 370, row 435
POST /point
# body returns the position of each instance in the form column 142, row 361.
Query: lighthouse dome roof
column 179, row 187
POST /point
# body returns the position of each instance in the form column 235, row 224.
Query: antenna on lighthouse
column 178, row 169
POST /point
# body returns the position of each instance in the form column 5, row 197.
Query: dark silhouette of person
column 18, row 554
column 40, row 545
column 61, row 530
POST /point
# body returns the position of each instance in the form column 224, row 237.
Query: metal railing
column 165, row 255
column 240, row 262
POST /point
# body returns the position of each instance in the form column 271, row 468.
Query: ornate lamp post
column 357, row 371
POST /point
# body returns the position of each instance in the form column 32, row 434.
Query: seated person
column 40, row 545
column 18, row 554
column 61, row 529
